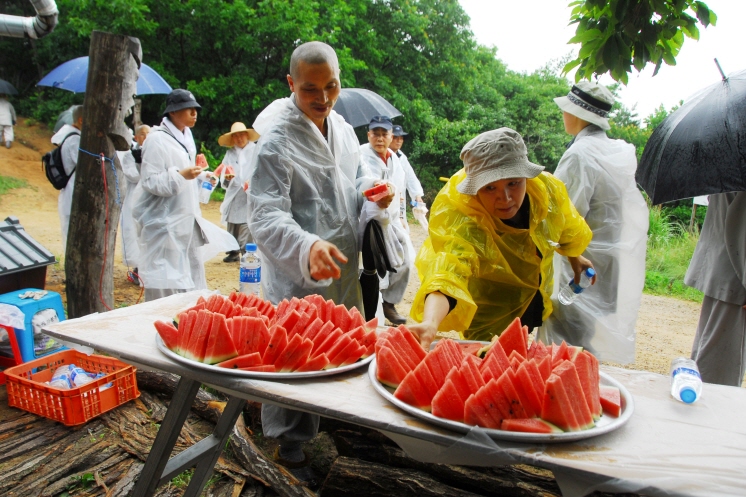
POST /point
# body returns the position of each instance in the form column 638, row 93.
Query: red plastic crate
column 27, row 391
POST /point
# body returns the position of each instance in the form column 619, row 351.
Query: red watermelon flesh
column 369, row 342
column 531, row 396
column 264, row 368
column 589, row 383
column 505, row 383
column 278, row 340
column 490, row 399
column 459, row 382
column 501, row 357
column 428, row 382
column 256, row 337
column 356, row 319
column 233, row 296
column 372, row 324
column 299, row 357
column 250, row 311
column 227, row 308
column 532, row 367
column 556, row 407
column 571, row 383
column 529, row 425
column 354, row 352
column 169, row 334
column 413, row 342
column 303, row 321
column 411, row 392
column 314, row 328
column 220, row 346
column 241, row 299
column 545, row 367
column 491, row 368
column 389, row 370
column 341, row 351
column 469, row 371
column 242, row 361
column 514, row 338
column 331, row 340
column 611, row 400
column 356, row 334
column 201, row 300
column 337, row 347
column 526, row 401
column 475, row 413
column 402, row 349
column 198, row 337
column 289, row 320
column 448, row 403
column 287, row 353
column 212, row 302
column 559, row 353
column 186, row 323
column 341, row 317
column 321, row 335
column 316, row 364
column 515, row 360
column 470, row 348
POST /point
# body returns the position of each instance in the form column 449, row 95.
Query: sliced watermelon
column 316, row 364
column 584, row 366
column 514, row 338
column 476, row 414
column 377, row 192
column 264, row 368
column 372, row 324
column 169, row 334
column 529, row 425
column 278, row 340
column 545, row 367
column 298, row 357
column 389, row 370
column 526, row 401
column 289, row 320
column 356, row 334
column 491, row 368
column 559, row 353
column 492, row 396
column 469, row 371
column 186, row 324
column 515, row 360
column 556, row 407
column 490, row 415
column 326, row 346
column 351, row 354
column 341, row 318
column 570, row 381
column 337, row 347
column 220, row 346
column 611, row 400
column 242, row 361
column 448, row 403
column 531, row 396
column 199, row 334
column 313, row 328
column 501, row 357
column 369, row 342
column 517, row 409
column 356, row 319
column 411, row 392
column 470, row 348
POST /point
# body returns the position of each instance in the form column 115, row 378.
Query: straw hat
column 226, row 140
column 495, row 155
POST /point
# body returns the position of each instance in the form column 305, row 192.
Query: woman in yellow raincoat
column 494, row 229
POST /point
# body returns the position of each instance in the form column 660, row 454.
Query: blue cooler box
column 33, row 347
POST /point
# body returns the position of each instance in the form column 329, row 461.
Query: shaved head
column 313, row 53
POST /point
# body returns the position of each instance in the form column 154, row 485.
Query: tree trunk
column 110, row 89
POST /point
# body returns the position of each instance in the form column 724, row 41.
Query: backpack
column 53, row 167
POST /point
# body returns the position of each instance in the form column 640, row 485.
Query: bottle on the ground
column 686, row 383
column 569, row 293
column 250, row 275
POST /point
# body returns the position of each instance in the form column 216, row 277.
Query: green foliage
column 670, row 248
column 615, row 35
column 9, row 183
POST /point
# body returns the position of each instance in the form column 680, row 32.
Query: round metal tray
column 604, row 425
column 256, row 374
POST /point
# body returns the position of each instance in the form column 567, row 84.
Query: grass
column 8, row 183
column 670, row 248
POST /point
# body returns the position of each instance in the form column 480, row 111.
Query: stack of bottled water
column 72, row 376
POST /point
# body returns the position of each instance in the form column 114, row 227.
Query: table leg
column 178, row 410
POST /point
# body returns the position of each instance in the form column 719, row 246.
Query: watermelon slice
column 351, row 354
column 556, row 407
column 369, row 342
column 289, row 320
column 529, row 425
column 316, row 364
column 469, row 371
column 501, row 357
column 341, row 318
column 264, row 368
column 389, row 370
column 526, row 401
column 195, row 350
column 611, row 400
column 545, row 367
column 186, row 325
column 334, row 352
column 278, row 340
column 517, row 409
column 242, row 361
column 169, row 334
column 491, row 368
column 377, row 192
column 294, row 357
column 475, row 413
column 571, row 383
column 531, row 396
column 313, row 328
column 484, row 406
column 448, row 403
column 219, row 346
column 326, row 346
column 412, row 392
column 588, row 381
column 470, row 348
column 514, row 338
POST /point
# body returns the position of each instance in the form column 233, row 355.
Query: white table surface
column 667, row 448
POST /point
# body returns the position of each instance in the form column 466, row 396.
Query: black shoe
column 300, row 470
column 133, row 277
column 232, row 256
column 390, row 312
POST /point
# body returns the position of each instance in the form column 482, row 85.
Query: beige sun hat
column 226, row 140
column 495, row 155
column 590, row 102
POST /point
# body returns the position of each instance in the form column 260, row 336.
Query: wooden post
column 136, row 120
column 110, row 89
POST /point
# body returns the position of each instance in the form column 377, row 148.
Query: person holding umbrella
column 600, row 177
column 494, row 230
column 234, row 211
column 7, row 120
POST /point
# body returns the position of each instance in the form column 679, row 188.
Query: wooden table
column 667, row 448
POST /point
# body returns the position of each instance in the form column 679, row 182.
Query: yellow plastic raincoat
column 491, row 269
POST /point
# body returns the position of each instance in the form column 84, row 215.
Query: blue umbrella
column 73, row 74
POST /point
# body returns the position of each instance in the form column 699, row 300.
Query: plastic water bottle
column 61, row 377
column 569, row 293
column 80, row 376
column 250, row 275
column 205, row 191
column 686, row 383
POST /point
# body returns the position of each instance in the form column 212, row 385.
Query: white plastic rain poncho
column 70, row 162
column 173, row 237
column 394, row 286
column 600, row 176
column 305, row 188
column 414, row 187
column 234, row 208
column 131, row 171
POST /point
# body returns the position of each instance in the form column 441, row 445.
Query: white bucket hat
column 590, row 102
column 495, row 155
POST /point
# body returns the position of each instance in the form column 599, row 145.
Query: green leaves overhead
column 616, row 35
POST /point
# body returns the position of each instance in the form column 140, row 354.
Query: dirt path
column 665, row 328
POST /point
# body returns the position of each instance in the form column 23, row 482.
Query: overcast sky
column 528, row 38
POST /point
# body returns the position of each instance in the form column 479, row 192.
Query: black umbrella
column 700, row 149
column 358, row 106
column 7, row 89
